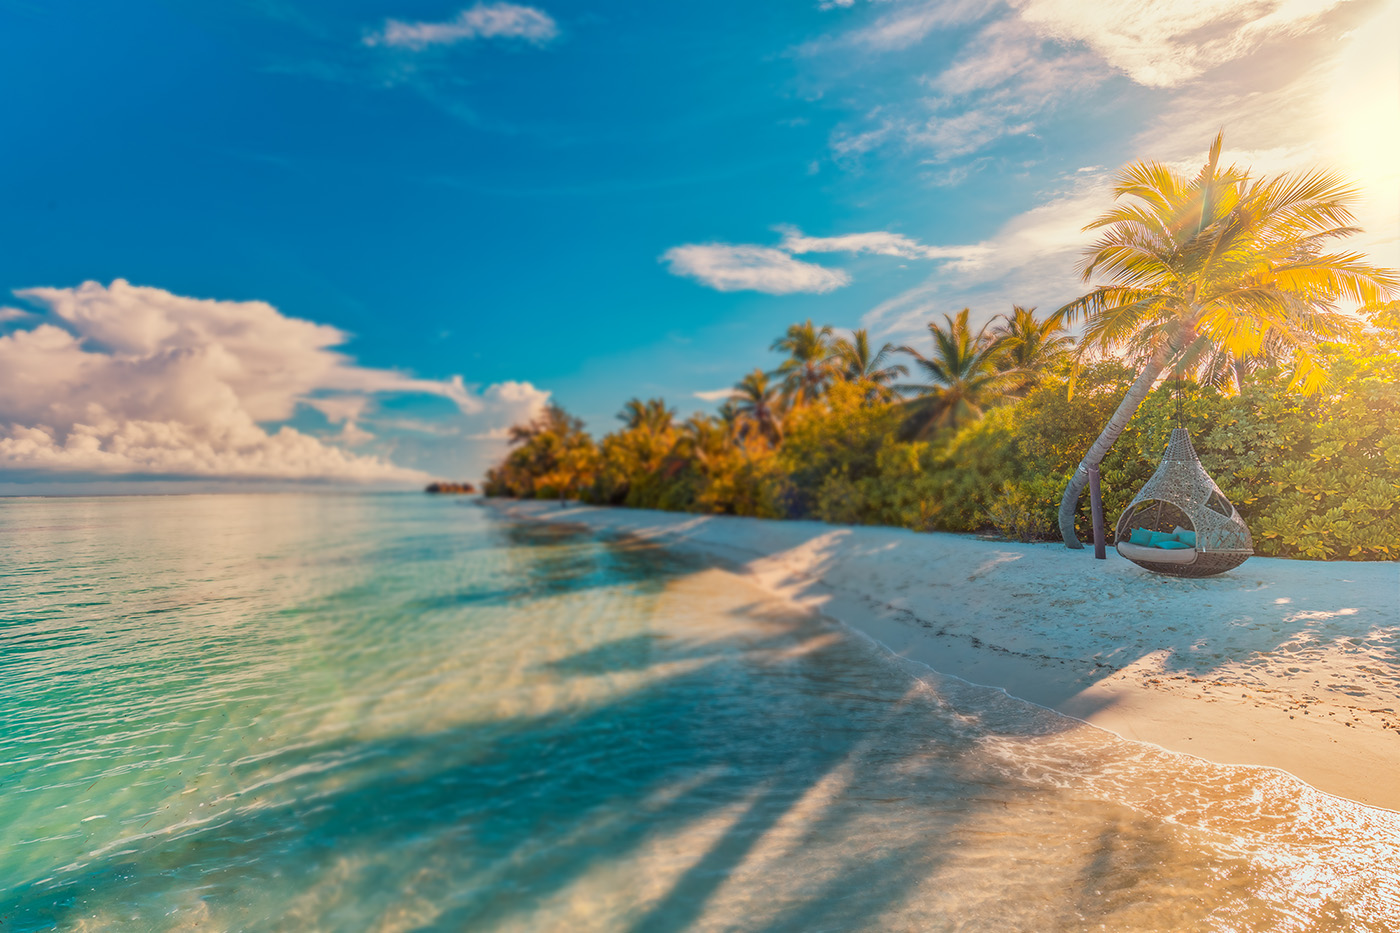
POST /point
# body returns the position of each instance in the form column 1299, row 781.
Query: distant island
column 458, row 488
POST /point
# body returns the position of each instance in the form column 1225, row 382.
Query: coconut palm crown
column 1029, row 346
column 856, row 363
column 808, row 368
column 960, row 376
column 757, row 406
column 1220, row 266
column 651, row 415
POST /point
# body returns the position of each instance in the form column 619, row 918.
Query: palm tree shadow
column 530, row 805
column 1256, row 612
column 773, row 738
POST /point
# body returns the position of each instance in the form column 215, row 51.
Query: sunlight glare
column 1363, row 130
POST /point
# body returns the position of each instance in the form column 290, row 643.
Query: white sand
column 1287, row 664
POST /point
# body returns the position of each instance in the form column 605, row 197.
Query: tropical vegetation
column 1219, row 312
column 1216, row 275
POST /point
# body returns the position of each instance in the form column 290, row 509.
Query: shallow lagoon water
column 390, row 712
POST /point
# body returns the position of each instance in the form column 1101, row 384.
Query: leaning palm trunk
column 1239, row 265
column 1069, row 503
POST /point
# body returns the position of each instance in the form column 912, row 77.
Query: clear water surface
column 390, row 712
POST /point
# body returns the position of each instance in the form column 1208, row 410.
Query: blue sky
column 354, row 240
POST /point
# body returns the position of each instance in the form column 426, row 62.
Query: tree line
column 1220, row 308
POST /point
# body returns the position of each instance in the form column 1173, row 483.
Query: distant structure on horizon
column 457, row 488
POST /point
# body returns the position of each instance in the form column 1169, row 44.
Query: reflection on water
column 394, row 713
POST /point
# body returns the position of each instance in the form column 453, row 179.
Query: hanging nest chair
column 1180, row 523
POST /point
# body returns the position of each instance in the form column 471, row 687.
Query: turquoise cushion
column 1140, row 536
column 1171, row 545
column 1183, row 535
column 1159, row 536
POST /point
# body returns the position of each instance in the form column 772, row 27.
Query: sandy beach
column 1285, row 664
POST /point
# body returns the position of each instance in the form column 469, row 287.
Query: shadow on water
column 550, row 795
column 524, row 807
column 556, row 568
column 633, row 653
column 533, row 804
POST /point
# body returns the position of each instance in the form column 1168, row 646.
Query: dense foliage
column 1217, row 275
column 1314, row 475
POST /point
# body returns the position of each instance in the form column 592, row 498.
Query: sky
column 284, row 242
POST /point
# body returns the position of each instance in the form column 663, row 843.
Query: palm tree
column 553, row 419
column 704, row 438
column 553, row 449
column 729, row 416
column 758, row 406
column 1028, row 346
column 651, row 415
column 1221, row 367
column 856, row 364
column 1215, row 264
column 808, row 368
column 961, row 376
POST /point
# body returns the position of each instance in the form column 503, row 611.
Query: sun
column 1363, row 128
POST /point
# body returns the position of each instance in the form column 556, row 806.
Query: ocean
column 393, row 712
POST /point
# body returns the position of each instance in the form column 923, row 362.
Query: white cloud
column 1277, row 118
column 1029, row 261
column 729, row 267
column 352, row 435
column 713, row 395
column 14, row 314
column 734, row 267
column 1004, row 78
column 125, row 379
column 910, row 23
column 483, row 21
column 1168, row 42
column 948, row 137
column 1295, row 84
column 338, row 408
column 506, row 403
column 878, row 242
column 1035, row 56
column 1324, row 97
column 847, row 145
column 495, row 434
column 466, row 446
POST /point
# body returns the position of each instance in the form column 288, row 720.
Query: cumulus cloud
column 124, row 379
column 464, row 447
column 729, row 267
column 483, row 21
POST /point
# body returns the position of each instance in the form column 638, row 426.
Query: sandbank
column 1286, row 664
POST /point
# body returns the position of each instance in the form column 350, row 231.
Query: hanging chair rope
column 1180, row 422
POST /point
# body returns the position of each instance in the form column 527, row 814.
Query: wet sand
column 1286, row 664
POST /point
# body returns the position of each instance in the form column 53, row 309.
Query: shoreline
column 1292, row 665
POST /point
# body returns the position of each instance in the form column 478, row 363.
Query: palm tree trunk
column 1121, row 416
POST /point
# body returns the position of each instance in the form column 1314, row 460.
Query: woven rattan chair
column 1181, row 495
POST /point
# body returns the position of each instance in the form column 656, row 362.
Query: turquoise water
column 390, row 712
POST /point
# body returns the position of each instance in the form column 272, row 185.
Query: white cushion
column 1157, row 555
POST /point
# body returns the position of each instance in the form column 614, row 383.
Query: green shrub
column 1313, row 476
